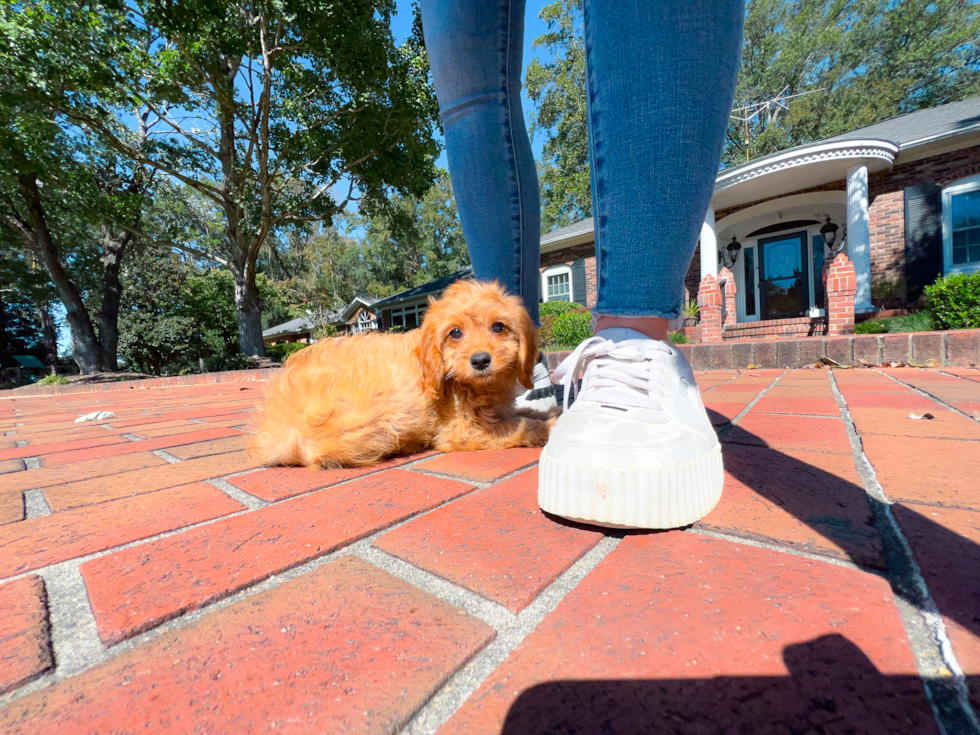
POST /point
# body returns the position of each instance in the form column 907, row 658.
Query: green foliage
column 691, row 309
column 919, row 321
column 53, row 380
column 554, row 308
column 222, row 363
column 677, row 338
column 870, row 326
column 955, row 301
column 557, row 89
column 861, row 61
column 569, row 329
column 281, row 352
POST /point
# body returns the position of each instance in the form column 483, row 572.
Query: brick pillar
column 840, row 284
column 709, row 302
column 731, row 314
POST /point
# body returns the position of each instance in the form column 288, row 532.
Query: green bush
column 557, row 308
column 871, row 326
column 281, row 352
column 955, row 301
column 919, row 321
column 678, row 338
column 570, row 329
column 53, row 380
column 221, row 363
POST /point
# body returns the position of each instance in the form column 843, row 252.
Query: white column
column 709, row 244
column 859, row 235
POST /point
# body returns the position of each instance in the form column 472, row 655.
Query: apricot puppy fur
column 450, row 385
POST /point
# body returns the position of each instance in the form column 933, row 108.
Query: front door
column 784, row 286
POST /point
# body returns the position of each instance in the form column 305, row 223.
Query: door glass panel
column 818, row 262
column 749, row 280
column 784, row 280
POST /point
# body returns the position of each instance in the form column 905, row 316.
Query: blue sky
column 533, row 27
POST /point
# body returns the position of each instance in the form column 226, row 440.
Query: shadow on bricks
column 806, row 492
column 832, row 687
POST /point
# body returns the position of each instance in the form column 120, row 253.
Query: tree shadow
column 832, row 687
column 779, row 482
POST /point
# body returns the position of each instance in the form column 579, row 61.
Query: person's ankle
column 652, row 326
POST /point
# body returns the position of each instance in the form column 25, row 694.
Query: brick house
column 904, row 195
column 358, row 316
column 404, row 310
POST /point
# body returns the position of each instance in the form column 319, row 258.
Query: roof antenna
column 772, row 107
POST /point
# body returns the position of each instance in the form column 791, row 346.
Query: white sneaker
column 636, row 449
column 542, row 396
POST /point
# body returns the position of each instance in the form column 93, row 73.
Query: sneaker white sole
column 630, row 497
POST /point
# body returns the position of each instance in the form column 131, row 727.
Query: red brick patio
column 152, row 579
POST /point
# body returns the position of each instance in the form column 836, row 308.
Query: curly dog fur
column 353, row 401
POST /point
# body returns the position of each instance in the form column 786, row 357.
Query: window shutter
column 923, row 237
column 578, row 282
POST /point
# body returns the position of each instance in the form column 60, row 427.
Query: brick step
column 777, row 329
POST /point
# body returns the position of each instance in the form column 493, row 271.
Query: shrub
column 871, row 326
column 556, row 308
column 53, row 380
column 570, row 329
column 691, row 310
column 955, row 301
column 677, row 338
column 281, row 352
column 546, row 331
column 221, row 363
column 919, row 321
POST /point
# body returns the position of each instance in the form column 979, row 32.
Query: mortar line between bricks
column 719, row 384
column 167, row 456
column 183, row 619
column 461, row 685
column 773, row 546
column 35, row 504
column 930, row 396
column 725, row 428
column 943, row 680
column 961, row 377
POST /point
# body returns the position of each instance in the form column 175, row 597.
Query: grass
column 919, row 321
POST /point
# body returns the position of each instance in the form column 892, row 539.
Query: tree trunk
column 50, row 333
column 87, row 352
column 113, row 247
column 249, row 307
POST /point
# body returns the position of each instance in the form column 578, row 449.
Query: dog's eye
column 497, row 327
column 456, row 333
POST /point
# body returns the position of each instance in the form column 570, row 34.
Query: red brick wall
column 567, row 256
column 887, row 218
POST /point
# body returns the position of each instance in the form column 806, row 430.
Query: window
column 365, row 322
column 557, row 284
column 408, row 317
column 961, row 226
column 748, row 278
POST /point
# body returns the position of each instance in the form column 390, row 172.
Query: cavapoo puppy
column 449, row 385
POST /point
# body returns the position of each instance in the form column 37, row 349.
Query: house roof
column 357, row 302
column 426, row 289
column 293, row 326
column 916, row 128
column 578, row 233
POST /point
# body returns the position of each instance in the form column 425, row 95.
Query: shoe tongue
column 620, row 334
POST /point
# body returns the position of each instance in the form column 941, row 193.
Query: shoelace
column 634, row 364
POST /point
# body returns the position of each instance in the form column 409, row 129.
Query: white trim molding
column 843, row 149
column 960, row 186
column 556, row 270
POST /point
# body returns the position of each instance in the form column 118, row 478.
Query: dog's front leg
column 469, row 436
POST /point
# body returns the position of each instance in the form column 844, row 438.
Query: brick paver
column 25, row 646
column 496, row 542
column 343, row 600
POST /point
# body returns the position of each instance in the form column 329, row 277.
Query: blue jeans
column 660, row 78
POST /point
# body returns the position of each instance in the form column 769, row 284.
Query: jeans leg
column 660, row 78
column 475, row 48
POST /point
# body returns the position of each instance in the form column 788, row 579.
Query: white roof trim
column 941, row 136
column 881, row 149
column 561, row 242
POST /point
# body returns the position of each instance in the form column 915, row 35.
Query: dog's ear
column 527, row 351
column 430, row 358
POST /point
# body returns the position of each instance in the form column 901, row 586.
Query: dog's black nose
column 480, row 361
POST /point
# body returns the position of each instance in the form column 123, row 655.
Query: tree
column 279, row 112
column 557, row 89
column 64, row 198
column 859, row 62
column 414, row 240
